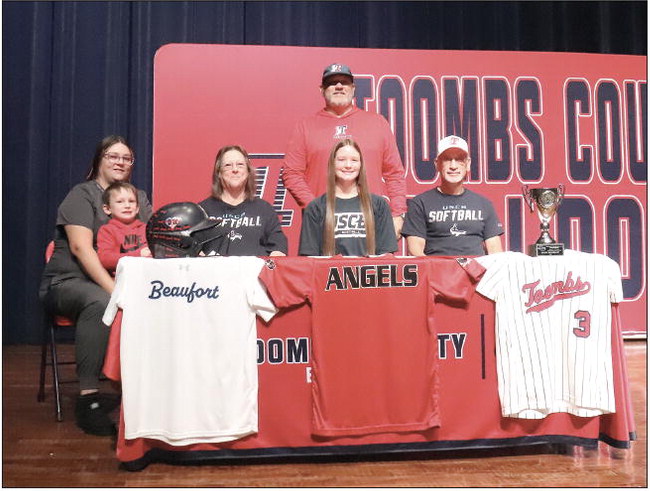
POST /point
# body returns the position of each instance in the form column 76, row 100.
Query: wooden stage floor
column 39, row 452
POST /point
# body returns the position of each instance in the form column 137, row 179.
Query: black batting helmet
column 172, row 230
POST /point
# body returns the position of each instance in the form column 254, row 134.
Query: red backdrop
column 539, row 119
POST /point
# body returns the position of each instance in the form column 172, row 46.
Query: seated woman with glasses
column 347, row 219
column 76, row 285
column 249, row 226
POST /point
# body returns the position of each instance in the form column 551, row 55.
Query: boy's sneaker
column 92, row 416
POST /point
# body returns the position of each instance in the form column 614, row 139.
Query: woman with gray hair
column 249, row 226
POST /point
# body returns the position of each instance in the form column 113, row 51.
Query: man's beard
column 338, row 102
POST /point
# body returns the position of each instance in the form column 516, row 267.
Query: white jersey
column 553, row 331
column 188, row 346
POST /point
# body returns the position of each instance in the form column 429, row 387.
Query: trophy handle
column 560, row 188
column 527, row 197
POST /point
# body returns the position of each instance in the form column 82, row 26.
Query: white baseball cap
column 452, row 141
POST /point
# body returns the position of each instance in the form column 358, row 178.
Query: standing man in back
column 305, row 162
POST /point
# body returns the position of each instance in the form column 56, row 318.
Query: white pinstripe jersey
column 553, row 331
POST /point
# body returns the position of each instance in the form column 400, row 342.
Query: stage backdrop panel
column 538, row 119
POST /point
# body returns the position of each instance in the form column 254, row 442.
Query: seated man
column 451, row 220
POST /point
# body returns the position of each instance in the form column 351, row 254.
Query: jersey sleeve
column 614, row 283
column 256, row 295
column 115, row 302
column 495, row 271
column 288, row 280
column 455, row 279
column 415, row 222
column 295, row 165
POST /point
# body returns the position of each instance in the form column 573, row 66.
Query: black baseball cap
column 337, row 69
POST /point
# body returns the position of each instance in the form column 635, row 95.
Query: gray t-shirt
column 82, row 206
column 350, row 228
column 452, row 225
column 250, row 228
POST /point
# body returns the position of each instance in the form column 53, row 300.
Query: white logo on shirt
column 455, row 231
column 350, row 224
column 341, row 131
column 232, row 235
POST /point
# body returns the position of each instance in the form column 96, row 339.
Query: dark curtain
column 74, row 72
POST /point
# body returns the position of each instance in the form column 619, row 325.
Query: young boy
column 124, row 234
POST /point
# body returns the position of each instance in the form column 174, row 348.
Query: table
column 468, row 398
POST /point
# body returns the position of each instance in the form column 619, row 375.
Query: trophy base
column 554, row 249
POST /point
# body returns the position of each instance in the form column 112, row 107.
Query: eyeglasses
column 343, row 81
column 114, row 158
column 230, row 166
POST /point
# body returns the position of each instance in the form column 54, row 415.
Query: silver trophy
column 546, row 202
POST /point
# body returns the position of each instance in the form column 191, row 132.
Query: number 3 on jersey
column 584, row 324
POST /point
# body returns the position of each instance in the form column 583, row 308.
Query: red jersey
column 374, row 348
column 305, row 162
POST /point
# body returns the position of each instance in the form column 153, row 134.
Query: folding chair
column 52, row 324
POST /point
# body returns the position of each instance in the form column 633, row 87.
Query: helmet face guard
column 171, row 230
